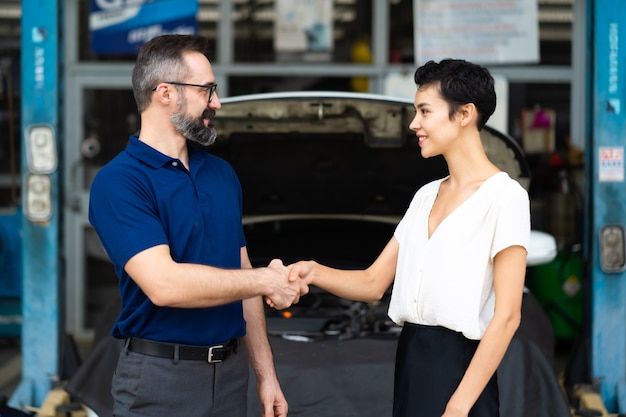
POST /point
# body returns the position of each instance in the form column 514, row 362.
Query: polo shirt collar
column 153, row 158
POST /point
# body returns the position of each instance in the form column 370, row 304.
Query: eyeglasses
column 208, row 88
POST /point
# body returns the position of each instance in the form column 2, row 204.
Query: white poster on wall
column 485, row 32
column 303, row 26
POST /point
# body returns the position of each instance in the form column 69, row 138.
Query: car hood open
column 334, row 153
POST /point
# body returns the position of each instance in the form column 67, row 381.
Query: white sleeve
column 513, row 223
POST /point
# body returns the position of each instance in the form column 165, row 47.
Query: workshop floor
column 325, row 377
column 330, row 376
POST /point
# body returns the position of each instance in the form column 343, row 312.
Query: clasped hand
column 287, row 287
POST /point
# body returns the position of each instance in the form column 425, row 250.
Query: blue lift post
column 608, row 200
column 40, row 341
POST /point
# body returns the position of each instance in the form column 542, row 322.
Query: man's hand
column 272, row 399
column 285, row 290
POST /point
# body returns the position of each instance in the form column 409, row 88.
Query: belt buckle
column 210, row 356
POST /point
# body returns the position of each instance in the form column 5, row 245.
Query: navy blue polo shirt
column 143, row 198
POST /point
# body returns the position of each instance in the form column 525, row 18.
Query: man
column 169, row 217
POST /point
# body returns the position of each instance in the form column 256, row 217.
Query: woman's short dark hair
column 161, row 59
column 460, row 82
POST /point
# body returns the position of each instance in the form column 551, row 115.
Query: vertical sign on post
column 40, row 237
column 608, row 202
column 611, row 164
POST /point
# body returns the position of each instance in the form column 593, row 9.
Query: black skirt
column 430, row 363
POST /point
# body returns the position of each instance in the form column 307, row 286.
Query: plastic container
column 558, row 287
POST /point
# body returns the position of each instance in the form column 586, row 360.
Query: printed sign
column 122, row 26
column 303, row 25
column 486, row 32
column 611, row 167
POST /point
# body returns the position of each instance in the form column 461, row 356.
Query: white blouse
column 447, row 280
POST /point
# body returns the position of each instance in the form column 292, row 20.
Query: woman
column 457, row 259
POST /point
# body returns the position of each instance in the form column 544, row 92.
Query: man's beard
column 194, row 128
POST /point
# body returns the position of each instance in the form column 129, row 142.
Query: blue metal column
column 40, row 301
column 608, row 201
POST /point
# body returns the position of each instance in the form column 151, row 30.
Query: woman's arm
column 509, row 273
column 360, row 285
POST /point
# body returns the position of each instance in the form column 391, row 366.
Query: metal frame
column 607, row 200
column 41, row 316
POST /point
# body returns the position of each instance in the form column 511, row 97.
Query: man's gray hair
column 161, row 59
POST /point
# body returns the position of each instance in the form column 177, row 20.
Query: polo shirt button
column 174, row 164
column 414, row 301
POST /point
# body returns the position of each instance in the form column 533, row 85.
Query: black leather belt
column 210, row 354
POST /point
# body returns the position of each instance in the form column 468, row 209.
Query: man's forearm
column 256, row 341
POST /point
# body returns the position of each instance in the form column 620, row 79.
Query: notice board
column 484, row 32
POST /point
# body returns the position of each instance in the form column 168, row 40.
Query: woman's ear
column 468, row 114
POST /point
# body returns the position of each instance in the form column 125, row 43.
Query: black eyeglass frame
column 210, row 87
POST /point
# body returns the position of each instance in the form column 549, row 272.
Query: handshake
column 286, row 284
